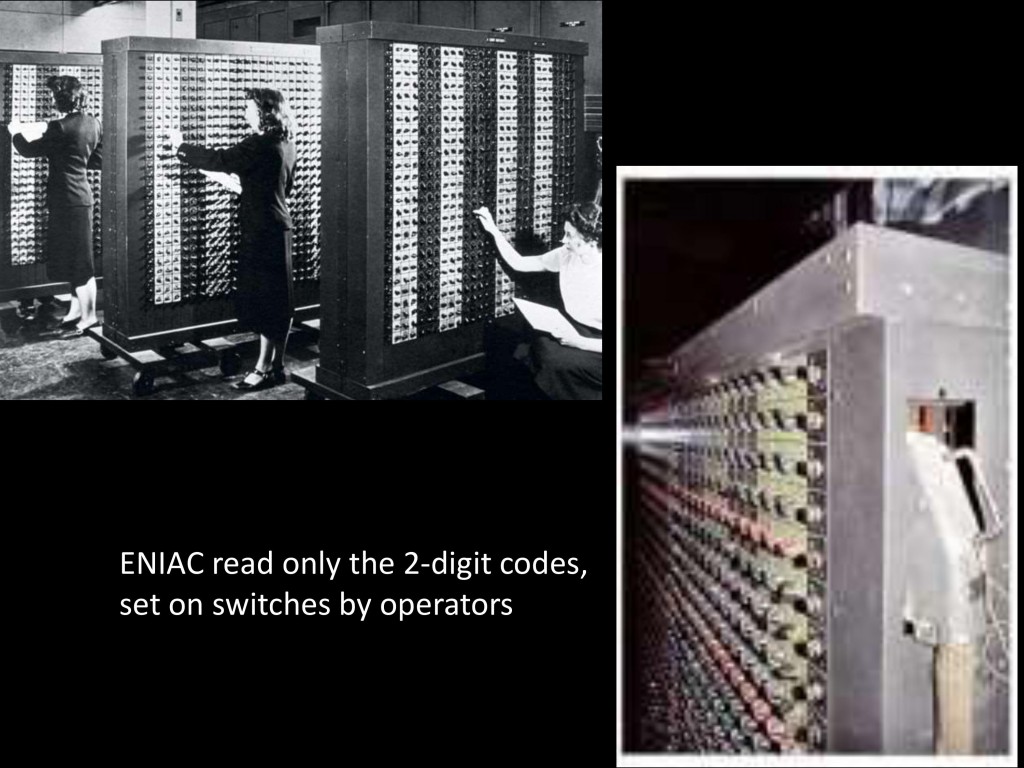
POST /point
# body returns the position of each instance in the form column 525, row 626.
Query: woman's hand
column 579, row 341
column 574, row 339
column 486, row 221
column 174, row 139
column 14, row 128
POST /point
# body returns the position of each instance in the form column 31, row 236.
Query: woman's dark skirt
column 263, row 301
column 566, row 373
column 69, row 245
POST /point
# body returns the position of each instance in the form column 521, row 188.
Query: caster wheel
column 142, row 384
column 311, row 395
column 230, row 363
column 108, row 354
column 10, row 322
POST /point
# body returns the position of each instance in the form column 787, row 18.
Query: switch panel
column 25, row 98
column 736, row 519
column 468, row 127
column 192, row 226
column 422, row 126
column 173, row 236
column 786, row 585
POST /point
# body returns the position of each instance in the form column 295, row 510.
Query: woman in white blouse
column 571, row 368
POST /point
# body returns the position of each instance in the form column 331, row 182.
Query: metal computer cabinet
column 894, row 319
column 421, row 126
column 25, row 97
column 171, row 237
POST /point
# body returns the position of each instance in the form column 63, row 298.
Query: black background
column 499, row 688
column 89, row 484
column 729, row 237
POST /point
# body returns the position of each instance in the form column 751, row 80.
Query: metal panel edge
column 397, row 31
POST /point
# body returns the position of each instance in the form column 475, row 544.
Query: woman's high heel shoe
column 266, row 380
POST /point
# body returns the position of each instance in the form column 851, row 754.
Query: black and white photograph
column 818, row 502
column 301, row 200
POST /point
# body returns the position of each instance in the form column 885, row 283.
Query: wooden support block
column 218, row 344
column 462, row 390
column 148, row 357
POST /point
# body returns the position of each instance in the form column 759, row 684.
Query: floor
column 36, row 366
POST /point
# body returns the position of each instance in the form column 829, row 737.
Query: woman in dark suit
column 265, row 164
column 71, row 145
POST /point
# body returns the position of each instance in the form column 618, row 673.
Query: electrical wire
column 996, row 629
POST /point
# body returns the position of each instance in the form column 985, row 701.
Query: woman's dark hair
column 586, row 218
column 275, row 116
column 67, row 92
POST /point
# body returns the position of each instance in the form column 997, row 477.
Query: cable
column 996, row 628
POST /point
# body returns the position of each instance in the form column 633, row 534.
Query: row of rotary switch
column 781, row 506
column 755, row 420
column 739, row 458
column 758, row 379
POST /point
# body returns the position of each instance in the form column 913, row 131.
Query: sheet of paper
column 228, row 180
column 545, row 318
column 33, row 131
